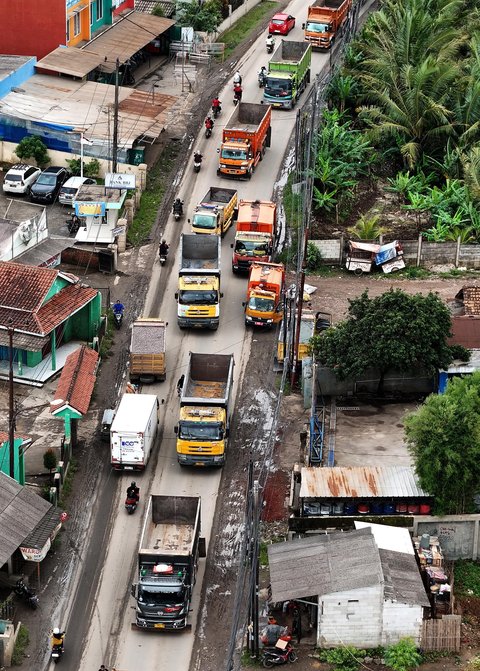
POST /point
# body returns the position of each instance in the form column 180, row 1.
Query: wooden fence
column 443, row 634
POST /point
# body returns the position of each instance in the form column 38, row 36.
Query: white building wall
column 351, row 618
column 399, row 621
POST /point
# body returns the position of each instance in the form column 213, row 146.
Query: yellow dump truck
column 147, row 350
column 310, row 325
column 204, row 423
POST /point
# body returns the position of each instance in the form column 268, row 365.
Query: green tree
column 50, row 460
column 392, row 332
column 204, row 16
column 403, row 656
column 32, row 147
column 443, row 437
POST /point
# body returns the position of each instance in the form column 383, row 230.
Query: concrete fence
column 418, row 252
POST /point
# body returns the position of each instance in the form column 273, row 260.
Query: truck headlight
column 223, row 165
column 269, row 321
column 216, row 460
column 244, row 164
column 249, row 319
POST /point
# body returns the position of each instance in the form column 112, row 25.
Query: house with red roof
column 47, row 314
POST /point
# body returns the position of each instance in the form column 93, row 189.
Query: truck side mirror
column 218, row 150
column 175, row 430
column 221, row 294
column 176, row 297
column 243, row 305
column 231, row 246
column 227, row 433
column 133, row 590
column 189, row 221
column 303, row 26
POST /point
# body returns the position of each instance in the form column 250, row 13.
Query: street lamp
column 83, row 140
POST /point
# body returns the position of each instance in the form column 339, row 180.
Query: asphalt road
column 106, row 633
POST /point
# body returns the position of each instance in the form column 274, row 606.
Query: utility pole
column 115, row 119
column 11, row 409
column 255, row 571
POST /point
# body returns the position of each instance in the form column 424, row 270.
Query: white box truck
column 133, row 431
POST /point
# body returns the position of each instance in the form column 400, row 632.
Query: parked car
column 282, row 24
column 20, row 178
column 69, row 189
column 48, row 184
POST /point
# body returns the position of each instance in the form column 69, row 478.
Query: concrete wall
column 351, row 618
column 17, row 77
column 458, row 534
column 234, row 16
column 396, row 383
column 401, row 620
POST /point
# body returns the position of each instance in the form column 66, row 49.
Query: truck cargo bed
column 289, row 52
column 199, row 252
column 205, row 389
column 220, row 195
column 148, row 337
column 170, row 525
column 169, row 538
column 246, row 116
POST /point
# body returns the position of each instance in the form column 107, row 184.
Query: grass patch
column 68, row 483
column 414, row 273
column 21, row 644
column 248, row 660
column 237, row 33
column 158, row 178
column 263, row 556
column 467, row 577
column 455, row 272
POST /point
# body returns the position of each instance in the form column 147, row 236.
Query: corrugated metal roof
column 402, row 581
column 44, row 251
column 126, row 37
column 465, row 331
column 68, row 104
column 21, row 511
column 359, row 482
column 70, row 61
column 323, row 564
column 147, row 6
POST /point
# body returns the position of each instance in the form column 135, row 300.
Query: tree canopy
column 394, row 331
column 205, row 16
column 443, row 437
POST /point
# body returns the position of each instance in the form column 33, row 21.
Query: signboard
column 118, row 230
column 117, row 180
column 89, row 209
column 34, row 554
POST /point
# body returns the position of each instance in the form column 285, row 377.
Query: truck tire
column 269, row 137
column 249, row 173
column 308, row 76
column 202, row 547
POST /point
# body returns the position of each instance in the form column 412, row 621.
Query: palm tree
column 368, row 228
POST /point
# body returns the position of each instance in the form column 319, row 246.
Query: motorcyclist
column 209, row 123
column 270, row 42
column 237, row 78
column 133, row 492
column 163, row 248
column 197, row 157
column 262, row 73
column 180, row 382
column 237, row 92
column 216, row 105
column 118, row 307
column 178, row 206
column 58, row 638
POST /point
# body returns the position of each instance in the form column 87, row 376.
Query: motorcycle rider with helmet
column 178, row 206
column 163, row 248
column 133, row 492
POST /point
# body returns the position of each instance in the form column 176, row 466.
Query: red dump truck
column 245, row 138
column 324, row 20
column 255, row 233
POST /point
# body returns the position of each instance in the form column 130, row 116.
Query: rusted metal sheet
column 359, row 482
column 70, row 61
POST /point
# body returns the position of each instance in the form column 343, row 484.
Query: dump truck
column 266, row 285
column 255, row 233
column 198, row 296
column 215, row 212
column 133, row 432
column 310, row 324
column 147, row 350
column 244, row 140
column 325, row 20
column 205, row 408
column 170, row 546
column 288, row 74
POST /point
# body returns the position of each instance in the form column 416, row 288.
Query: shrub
column 32, row 146
column 90, row 168
column 347, row 658
column 314, row 257
column 21, row 643
column 403, row 655
column 50, row 460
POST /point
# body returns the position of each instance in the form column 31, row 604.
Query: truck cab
column 198, row 301
column 202, row 434
column 249, row 247
column 206, row 220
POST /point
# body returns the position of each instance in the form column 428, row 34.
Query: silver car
column 69, row 189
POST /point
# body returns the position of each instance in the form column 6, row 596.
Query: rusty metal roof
column 126, row 37
column 465, row 331
column 359, row 482
column 70, row 61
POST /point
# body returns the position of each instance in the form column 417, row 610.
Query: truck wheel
column 202, row 547
column 249, row 173
column 214, row 327
column 308, row 77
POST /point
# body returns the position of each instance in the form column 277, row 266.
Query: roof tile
column 24, row 287
column 77, row 380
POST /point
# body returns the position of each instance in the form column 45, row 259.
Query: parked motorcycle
column 276, row 656
column 73, row 224
column 26, row 593
column 131, row 505
column 197, row 161
column 177, row 209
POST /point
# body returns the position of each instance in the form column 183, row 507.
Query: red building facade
column 32, row 27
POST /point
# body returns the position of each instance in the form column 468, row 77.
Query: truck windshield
column 198, row 297
column 312, row 27
column 278, row 87
column 205, row 221
column 237, row 154
column 250, row 247
column 260, row 304
column 155, row 596
column 200, row 431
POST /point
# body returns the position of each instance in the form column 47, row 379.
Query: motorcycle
column 237, row 95
column 117, row 318
column 131, row 505
column 276, row 656
column 177, row 209
column 57, row 652
column 208, row 130
column 29, row 595
column 163, row 257
column 270, row 44
column 216, row 110
column 197, row 162
column 73, row 224
column 262, row 76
